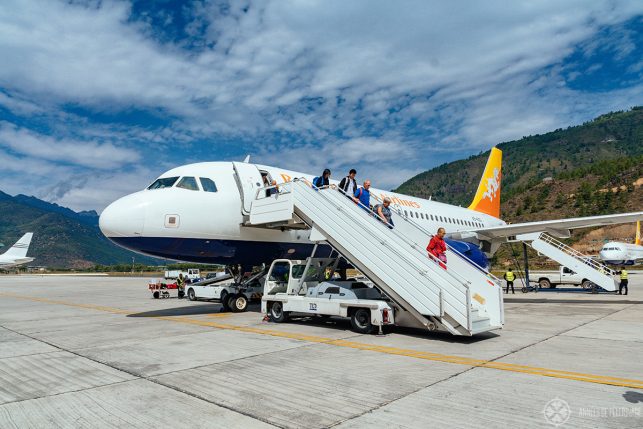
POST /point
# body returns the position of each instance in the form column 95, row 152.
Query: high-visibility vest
column 623, row 275
column 510, row 276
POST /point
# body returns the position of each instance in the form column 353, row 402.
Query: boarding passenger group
column 362, row 196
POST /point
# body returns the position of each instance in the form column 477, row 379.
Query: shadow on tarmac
column 338, row 323
column 188, row 310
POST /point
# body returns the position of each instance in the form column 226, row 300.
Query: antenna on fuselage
column 246, row 159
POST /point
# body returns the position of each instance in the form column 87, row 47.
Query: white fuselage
column 7, row 262
column 200, row 226
column 618, row 253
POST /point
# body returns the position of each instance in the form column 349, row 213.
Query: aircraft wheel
column 191, row 295
column 277, row 313
column 361, row 321
column 238, row 303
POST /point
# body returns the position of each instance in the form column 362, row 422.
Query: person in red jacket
column 437, row 247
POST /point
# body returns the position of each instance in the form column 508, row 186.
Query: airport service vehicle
column 234, row 295
column 162, row 290
column 192, row 274
column 294, row 286
column 564, row 276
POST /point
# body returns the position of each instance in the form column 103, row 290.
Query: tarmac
column 100, row 352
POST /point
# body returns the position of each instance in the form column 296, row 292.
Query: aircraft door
column 249, row 180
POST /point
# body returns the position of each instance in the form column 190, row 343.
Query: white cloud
column 408, row 82
column 83, row 153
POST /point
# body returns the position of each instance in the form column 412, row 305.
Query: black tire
column 224, row 300
column 238, row 303
column 544, row 283
column 524, row 289
column 156, row 295
column 277, row 313
column 191, row 295
column 361, row 321
column 586, row 284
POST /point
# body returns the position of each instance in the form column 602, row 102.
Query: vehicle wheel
column 586, row 284
column 524, row 289
column 277, row 313
column 191, row 295
column 544, row 283
column 361, row 321
column 224, row 300
column 156, row 295
column 239, row 303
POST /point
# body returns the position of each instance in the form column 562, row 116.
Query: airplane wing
column 557, row 228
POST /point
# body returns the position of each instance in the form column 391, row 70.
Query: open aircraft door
column 249, row 181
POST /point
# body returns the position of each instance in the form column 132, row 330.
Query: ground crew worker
column 180, row 285
column 624, row 282
column 510, row 277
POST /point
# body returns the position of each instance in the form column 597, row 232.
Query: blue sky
column 97, row 98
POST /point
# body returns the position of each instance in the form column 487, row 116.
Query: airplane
column 195, row 213
column 17, row 254
column 617, row 253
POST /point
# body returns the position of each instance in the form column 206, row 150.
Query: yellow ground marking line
column 218, row 315
column 436, row 357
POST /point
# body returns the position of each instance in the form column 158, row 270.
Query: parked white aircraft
column 618, row 253
column 17, row 254
column 196, row 213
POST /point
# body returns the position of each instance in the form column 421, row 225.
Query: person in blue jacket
column 363, row 195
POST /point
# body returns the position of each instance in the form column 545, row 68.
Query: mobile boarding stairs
column 590, row 269
column 459, row 298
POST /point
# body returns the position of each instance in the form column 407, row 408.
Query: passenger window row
column 443, row 219
column 186, row 182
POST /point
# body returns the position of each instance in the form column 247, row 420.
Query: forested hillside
column 615, row 136
column 591, row 169
column 62, row 237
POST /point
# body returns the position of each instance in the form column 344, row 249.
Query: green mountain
column 526, row 162
column 62, row 237
column 591, row 169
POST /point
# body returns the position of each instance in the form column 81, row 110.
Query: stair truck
column 295, row 286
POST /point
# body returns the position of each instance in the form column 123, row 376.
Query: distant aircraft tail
column 487, row 199
column 637, row 240
column 19, row 250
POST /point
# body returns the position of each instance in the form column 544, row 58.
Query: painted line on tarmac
column 436, row 357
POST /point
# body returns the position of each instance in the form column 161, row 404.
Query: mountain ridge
column 63, row 238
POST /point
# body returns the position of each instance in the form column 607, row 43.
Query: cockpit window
column 188, row 182
column 208, row 185
column 163, row 182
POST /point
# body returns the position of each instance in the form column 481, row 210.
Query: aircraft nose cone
column 123, row 218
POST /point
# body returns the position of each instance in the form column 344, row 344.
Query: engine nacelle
column 471, row 251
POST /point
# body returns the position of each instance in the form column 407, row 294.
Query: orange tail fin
column 487, row 199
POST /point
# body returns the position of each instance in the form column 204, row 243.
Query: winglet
column 246, row 159
column 637, row 240
column 487, row 199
